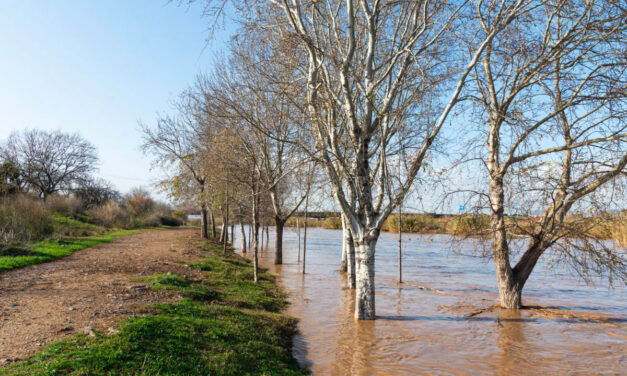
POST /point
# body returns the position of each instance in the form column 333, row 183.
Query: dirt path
column 90, row 290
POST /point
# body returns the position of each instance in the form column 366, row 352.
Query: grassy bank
column 70, row 235
column 224, row 325
column 33, row 230
column 52, row 249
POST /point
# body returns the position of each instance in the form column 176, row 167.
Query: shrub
column 418, row 223
column 24, row 218
column 111, row 214
column 96, row 192
column 154, row 220
column 139, row 203
column 170, row 221
column 333, row 223
column 473, row 224
column 64, row 205
column 180, row 215
column 619, row 231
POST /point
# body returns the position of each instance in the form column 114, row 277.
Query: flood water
column 433, row 324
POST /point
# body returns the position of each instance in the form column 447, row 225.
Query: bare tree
column 179, row 141
column 254, row 92
column 238, row 164
column 95, row 192
column 50, row 161
column 370, row 67
column 550, row 93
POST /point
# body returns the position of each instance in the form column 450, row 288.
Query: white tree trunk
column 364, row 294
column 509, row 291
column 343, row 263
column 298, row 231
column 349, row 249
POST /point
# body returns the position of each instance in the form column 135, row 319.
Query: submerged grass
column 225, row 325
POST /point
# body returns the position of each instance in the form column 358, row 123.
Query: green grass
column 225, row 325
column 52, row 249
column 77, row 226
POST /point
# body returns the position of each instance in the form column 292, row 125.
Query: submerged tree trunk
column 364, row 294
column 400, row 243
column 509, row 289
column 243, row 232
column 350, row 253
column 510, row 292
column 305, row 232
column 204, row 234
column 267, row 236
column 344, row 261
column 298, row 231
column 351, row 265
column 278, row 241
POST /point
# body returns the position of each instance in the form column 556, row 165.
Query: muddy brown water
column 442, row 320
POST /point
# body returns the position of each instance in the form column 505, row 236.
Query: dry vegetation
column 33, row 230
column 598, row 227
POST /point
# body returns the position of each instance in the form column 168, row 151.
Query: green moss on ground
column 225, row 325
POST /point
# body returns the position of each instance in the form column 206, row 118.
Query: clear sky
column 98, row 68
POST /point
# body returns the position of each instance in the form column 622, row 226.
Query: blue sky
column 98, row 68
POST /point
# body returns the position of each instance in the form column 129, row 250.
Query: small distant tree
column 51, row 161
column 9, row 178
column 96, row 192
column 139, row 202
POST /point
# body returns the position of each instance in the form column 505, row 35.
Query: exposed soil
column 90, row 291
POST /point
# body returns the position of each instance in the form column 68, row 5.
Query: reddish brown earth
column 92, row 290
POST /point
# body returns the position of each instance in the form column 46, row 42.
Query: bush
column 139, row 203
column 24, row 218
column 111, row 214
column 473, row 224
column 96, row 192
column 139, row 210
column 332, row 223
column 170, row 221
column 180, row 215
column 64, row 205
column 418, row 223
column 619, row 231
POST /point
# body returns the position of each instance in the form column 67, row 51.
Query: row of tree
column 370, row 91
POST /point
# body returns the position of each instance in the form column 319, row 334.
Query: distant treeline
column 602, row 226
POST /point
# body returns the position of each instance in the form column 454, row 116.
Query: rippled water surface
column 442, row 319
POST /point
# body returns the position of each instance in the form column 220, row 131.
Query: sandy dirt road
column 92, row 290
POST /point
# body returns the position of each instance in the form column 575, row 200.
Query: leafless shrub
column 23, row 219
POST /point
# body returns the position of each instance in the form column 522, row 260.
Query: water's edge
column 442, row 319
